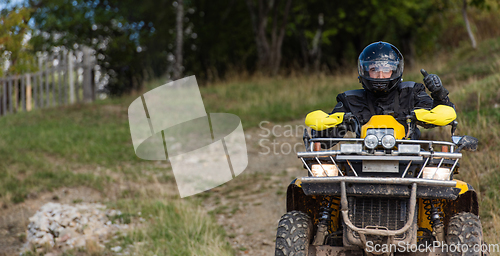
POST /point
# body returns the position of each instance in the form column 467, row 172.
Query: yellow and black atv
column 381, row 193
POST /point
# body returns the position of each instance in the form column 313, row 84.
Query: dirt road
column 250, row 206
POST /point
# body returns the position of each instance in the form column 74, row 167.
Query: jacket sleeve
column 340, row 107
column 423, row 100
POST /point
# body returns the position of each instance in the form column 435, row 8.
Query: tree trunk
column 469, row 30
column 179, row 40
column 269, row 49
column 408, row 49
column 316, row 45
column 312, row 54
column 304, row 48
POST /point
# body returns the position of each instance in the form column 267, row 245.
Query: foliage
column 136, row 41
column 351, row 25
column 14, row 47
column 221, row 39
column 104, row 26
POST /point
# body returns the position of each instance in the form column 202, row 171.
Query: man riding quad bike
column 385, row 191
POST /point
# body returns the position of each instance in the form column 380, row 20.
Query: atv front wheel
column 294, row 234
column 465, row 228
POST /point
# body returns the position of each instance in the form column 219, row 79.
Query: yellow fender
column 384, row 121
column 319, row 120
column 463, row 186
column 298, row 183
column 440, row 115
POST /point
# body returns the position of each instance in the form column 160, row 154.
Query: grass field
column 90, row 145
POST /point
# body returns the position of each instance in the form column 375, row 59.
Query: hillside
column 83, row 153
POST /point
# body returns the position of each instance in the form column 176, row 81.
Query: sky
column 4, row 3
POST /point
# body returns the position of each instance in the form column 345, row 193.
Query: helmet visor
column 380, row 69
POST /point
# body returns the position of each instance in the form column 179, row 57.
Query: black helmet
column 385, row 63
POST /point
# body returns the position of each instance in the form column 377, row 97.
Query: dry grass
column 477, row 97
column 97, row 135
column 172, row 227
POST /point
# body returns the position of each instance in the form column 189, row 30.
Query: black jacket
column 399, row 103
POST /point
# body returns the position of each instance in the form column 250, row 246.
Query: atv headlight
column 388, row 141
column 330, row 169
column 371, row 141
column 441, row 174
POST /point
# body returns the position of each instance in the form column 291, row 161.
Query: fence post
column 17, row 90
column 9, row 95
column 70, row 78
column 47, row 92
column 4, row 96
column 53, row 79
column 59, row 78
column 28, row 92
column 23, row 93
column 34, row 90
column 64, row 70
column 87, row 76
column 40, row 83
column 1, row 85
column 92, row 79
column 15, row 100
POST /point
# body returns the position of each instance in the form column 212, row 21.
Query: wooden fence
column 62, row 78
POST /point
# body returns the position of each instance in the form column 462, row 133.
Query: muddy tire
column 465, row 228
column 294, row 234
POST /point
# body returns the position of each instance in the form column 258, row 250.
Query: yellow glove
column 319, row 120
column 440, row 115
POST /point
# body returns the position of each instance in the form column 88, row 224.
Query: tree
column 476, row 3
column 14, row 47
column 107, row 26
column 179, row 40
column 137, row 41
column 269, row 50
column 312, row 23
column 311, row 52
column 467, row 25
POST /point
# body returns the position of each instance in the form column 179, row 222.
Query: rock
column 101, row 232
column 70, row 226
column 63, row 238
column 46, row 239
column 80, row 242
column 267, row 242
column 116, row 248
column 43, row 225
column 39, row 234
